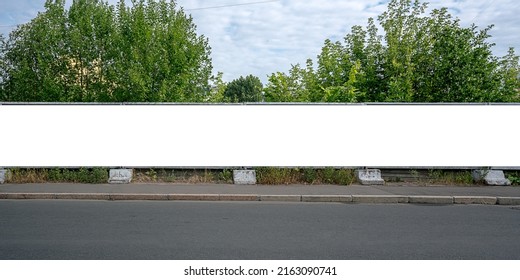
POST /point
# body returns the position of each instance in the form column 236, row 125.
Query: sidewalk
column 390, row 193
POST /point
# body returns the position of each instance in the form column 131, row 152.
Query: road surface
column 40, row 229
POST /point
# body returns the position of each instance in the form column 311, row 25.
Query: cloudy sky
column 260, row 37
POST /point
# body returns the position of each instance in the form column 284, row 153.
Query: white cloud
column 264, row 38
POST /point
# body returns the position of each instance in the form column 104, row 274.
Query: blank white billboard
column 259, row 135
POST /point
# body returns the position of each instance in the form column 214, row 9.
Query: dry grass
column 26, row 176
column 194, row 176
column 450, row 177
column 288, row 176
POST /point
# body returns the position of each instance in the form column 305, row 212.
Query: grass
column 450, row 177
column 310, row 176
column 57, row 175
column 265, row 176
column 100, row 176
column 187, row 176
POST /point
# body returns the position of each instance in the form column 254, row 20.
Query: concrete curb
column 194, row 197
column 285, row 198
column 239, row 197
column 326, row 198
column 489, row 200
column 508, row 200
column 366, row 199
column 416, row 199
column 379, row 199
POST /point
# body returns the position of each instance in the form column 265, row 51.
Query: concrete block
column 491, row 177
column 430, row 199
column 244, row 177
column 326, row 198
column 3, row 175
column 287, row 198
column 490, row 200
column 120, row 176
column 194, row 197
column 379, row 199
column 370, row 177
column 239, row 197
column 508, row 200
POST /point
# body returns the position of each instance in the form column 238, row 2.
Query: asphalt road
column 39, row 229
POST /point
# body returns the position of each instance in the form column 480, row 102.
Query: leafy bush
column 514, row 177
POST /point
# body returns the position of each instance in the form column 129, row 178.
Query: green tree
column 161, row 56
column 3, row 67
column 337, row 74
column 34, row 54
column 98, row 52
column 509, row 71
column 218, row 87
column 248, row 89
column 90, row 73
column 419, row 58
column 366, row 48
column 300, row 85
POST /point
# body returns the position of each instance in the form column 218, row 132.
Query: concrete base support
column 244, row 177
column 3, row 175
column 491, row 177
column 120, row 176
column 370, row 177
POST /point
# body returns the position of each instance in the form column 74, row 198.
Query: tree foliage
column 148, row 52
column 248, row 89
column 419, row 58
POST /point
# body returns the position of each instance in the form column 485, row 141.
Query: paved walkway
column 390, row 193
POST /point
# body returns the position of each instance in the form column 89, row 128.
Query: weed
column 22, row 176
column 99, row 175
column 169, row 176
column 514, row 177
column 57, row 175
column 450, row 177
column 344, row 177
column 152, row 174
column 310, row 175
column 277, row 176
column 225, row 176
column 285, row 176
column 394, row 179
column 327, row 175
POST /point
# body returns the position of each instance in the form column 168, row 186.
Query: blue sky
column 263, row 38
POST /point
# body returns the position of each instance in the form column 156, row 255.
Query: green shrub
column 281, row 176
column 277, row 176
column 310, row 175
column 99, row 175
column 514, row 177
column 327, row 175
column 344, row 177
column 225, row 176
